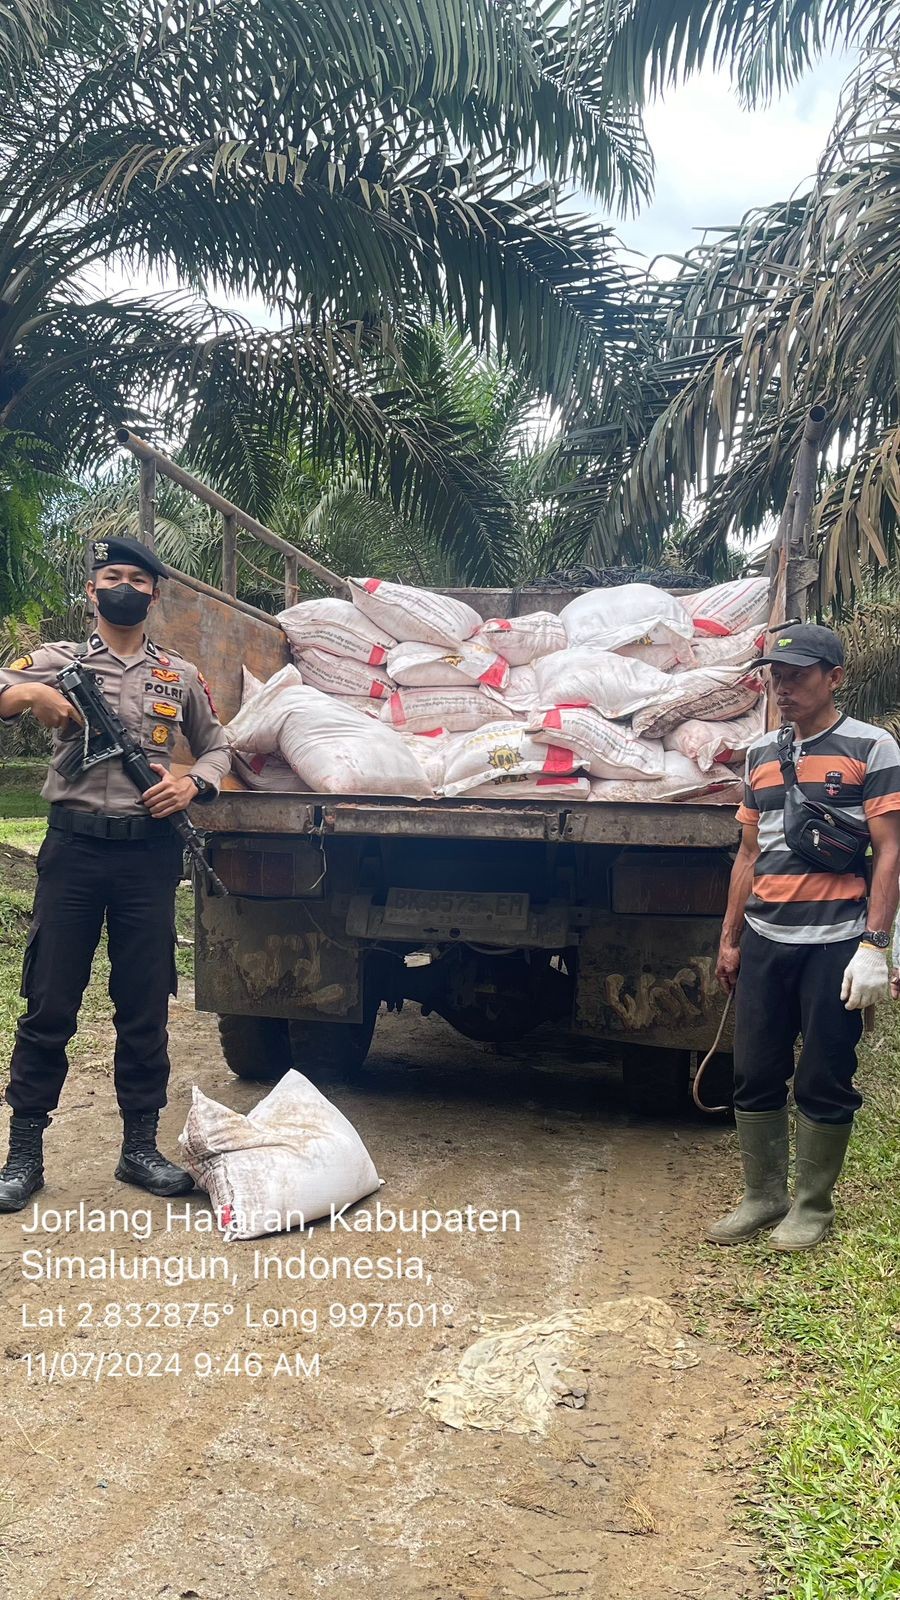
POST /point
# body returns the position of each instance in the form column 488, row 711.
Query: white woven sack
column 250, row 685
column 456, row 710
column 336, row 750
column 435, row 666
column 608, row 750
column 430, row 750
column 727, row 650
column 608, row 618
column 575, row 787
column 729, row 607
column 501, row 751
column 254, row 726
column 338, row 675
column 338, row 627
column 264, row 772
column 683, row 780
column 282, row 1166
column 520, row 640
column 612, row 684
column 414, row 614
column 673, row 657
column 724, row 742
column 521, row 693
column 710, row 694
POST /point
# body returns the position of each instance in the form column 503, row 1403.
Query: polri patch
column 160, row 735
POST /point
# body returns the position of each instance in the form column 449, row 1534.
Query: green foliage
column 795, row 307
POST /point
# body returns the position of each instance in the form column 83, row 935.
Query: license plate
column 454, row 908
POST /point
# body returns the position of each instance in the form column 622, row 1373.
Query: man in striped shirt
column 804, row 949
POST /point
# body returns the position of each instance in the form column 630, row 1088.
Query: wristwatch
column 876, row 937
column 205, row 791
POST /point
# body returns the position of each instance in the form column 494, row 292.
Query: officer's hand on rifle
column 50, row 707
column 170, row 794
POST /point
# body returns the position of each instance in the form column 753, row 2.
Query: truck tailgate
column 670, row 825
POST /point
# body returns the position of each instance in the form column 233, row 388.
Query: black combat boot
column 141, row 1163
column 23, row 1174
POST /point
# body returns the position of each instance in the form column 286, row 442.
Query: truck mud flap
column 275, row 958
column 651, row 980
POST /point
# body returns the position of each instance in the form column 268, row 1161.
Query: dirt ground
column 229, row 1487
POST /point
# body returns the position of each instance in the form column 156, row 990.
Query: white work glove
column 866, row 979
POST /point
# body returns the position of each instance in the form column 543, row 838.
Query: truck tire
column 657, row 1081
column 330, row 1049
column 257, row 1049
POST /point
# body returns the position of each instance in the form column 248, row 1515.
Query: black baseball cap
column 125, row 553
column 803, row 644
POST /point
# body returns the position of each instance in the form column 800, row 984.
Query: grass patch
column 17, row 879
column 20, row 786
column 826, row 1506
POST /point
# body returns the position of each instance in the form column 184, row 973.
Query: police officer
column 109, row 851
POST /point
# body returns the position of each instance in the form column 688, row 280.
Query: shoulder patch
column 21, row 665
column 205, row 687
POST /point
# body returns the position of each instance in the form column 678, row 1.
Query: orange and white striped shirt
column 852, row 767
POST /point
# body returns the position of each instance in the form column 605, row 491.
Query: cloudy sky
column 714, row 160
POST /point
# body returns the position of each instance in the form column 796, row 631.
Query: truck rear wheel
column 257, row 1049
column 331, row 1048
column 657, row 1081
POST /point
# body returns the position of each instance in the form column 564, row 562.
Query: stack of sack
column 629, row 694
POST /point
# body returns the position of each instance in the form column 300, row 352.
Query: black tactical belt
column 101, row 827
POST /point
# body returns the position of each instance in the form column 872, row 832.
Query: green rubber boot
column 821, row 1147
column 763, row 1139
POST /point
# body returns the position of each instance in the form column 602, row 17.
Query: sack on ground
column 414, row 614
column 335, row 675
column 608, row 749
column 283, row 1165
column 434, row 666
column 338, row 627
column 501, row 752
column 520, row 640
column 612, row 684
column 711, row 694
column 724, row 742
column 608, row 618
column 457, row 710
column 683, row 780
column 729, row 607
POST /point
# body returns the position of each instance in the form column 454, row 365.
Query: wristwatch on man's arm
column 205, row 790
column 876, row 937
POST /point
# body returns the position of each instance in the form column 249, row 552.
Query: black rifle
column 106, row 736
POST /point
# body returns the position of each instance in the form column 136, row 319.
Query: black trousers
column 81, row 880
column 786, row 990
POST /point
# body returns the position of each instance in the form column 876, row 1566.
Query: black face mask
column 123, row 606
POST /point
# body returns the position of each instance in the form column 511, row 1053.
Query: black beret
column 125, row 552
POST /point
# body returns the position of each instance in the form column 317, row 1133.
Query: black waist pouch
column 815, row 832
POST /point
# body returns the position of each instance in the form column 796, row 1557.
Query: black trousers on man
column 786, row 990
column 80, row 881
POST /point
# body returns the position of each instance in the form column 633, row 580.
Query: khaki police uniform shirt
column 156, row 693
